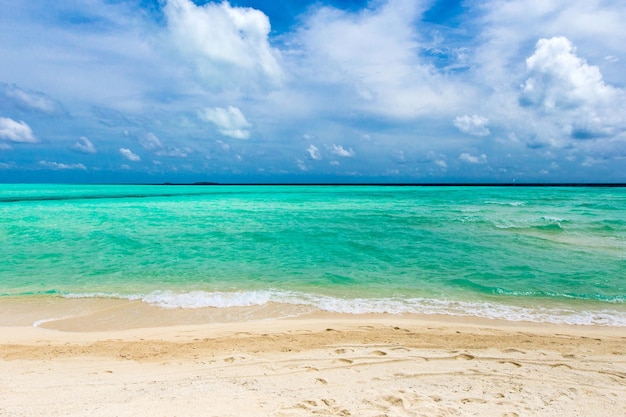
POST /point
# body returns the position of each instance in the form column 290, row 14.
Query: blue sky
column 281, row 91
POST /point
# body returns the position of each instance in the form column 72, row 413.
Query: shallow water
column 517, row 253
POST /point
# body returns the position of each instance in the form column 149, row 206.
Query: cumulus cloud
column 229, row 121
column 62, row 166
column 563, row 84
column 84, row 145
column 314, row 153
column 472, row 125
column 561, row 79
column 341, row 151
column 128, row 154
column 15, row 131
column 472, row 159
column 226, row 45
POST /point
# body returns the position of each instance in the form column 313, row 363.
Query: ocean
column 540, row 254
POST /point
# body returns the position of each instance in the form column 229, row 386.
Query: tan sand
column 119, row 358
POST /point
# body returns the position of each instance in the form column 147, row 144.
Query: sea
column 534, row 254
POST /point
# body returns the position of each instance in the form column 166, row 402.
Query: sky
column 313, row 91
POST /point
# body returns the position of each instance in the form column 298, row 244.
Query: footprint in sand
column 394, row 401
column 511, row 350
column 465, row 356
column 404, row 330
column 397, row 403
column 557, row 365
column 473, row 400
column 323, row 407
column 321, row 381
column 517, row 365
column 379, row 353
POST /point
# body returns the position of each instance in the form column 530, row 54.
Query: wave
column 506, row 203
column 393, row 305
column 487, row 289
column 546, row 223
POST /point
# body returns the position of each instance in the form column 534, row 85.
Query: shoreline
column 116, row 357
column 99, row 312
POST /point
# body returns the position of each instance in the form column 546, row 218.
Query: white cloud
column 84, row 145
column 29, row 100
column 441, row 163
column 93, row 53
column 341, row 151
column 314, row 153
column 128, row 154
column 62, row 166
column 150, row 142
column 174, row 152
column 227, row 46
column 590, row 161
column 472, row 159
column 564, row 88
column 5, row 146
column 472, row 125
column 563, row 85
column 370, row 60
column 14, row 131
column 561, row 79
column 229, row 121
column 301, row 165
column 349, row 75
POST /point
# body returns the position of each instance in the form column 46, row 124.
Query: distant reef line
column 404, row 184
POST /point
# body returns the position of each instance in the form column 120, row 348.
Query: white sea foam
column 38, row 323
column 552, row 219
column 506, row 203
column 490, row 310
column 202, row 299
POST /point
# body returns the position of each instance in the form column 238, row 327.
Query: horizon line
column 354, row 184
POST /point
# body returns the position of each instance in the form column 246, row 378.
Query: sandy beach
column 119, row 358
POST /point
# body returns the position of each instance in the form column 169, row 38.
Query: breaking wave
column 489, row 310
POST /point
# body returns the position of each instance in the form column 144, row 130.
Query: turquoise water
column 515, row 253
